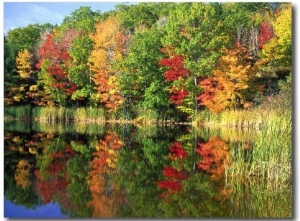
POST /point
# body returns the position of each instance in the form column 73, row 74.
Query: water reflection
column 131, row 171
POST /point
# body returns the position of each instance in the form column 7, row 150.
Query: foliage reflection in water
column 133, row 171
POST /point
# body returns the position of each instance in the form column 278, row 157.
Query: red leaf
column 265, row 33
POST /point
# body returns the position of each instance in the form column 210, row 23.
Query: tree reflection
column 128, row 172
column 105, row 196
column 19, row 164
column 189, row 192
column 53, row 173
column 214, row 156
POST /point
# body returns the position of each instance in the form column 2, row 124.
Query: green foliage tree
column 82, row 19
column 195, row 31
column 78, row 71
column 137, row 15
column 142, row 82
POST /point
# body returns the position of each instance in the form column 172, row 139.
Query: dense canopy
column 172, row 58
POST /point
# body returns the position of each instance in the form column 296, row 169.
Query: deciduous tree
column 108, row 46
column 233, row 81
column 195, row 31
column 276, row 55
column 54, row 63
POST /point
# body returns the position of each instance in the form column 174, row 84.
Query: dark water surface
column 78, row 170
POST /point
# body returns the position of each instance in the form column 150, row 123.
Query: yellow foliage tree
column 109, row 45
column 277, row 53
column 24, row 67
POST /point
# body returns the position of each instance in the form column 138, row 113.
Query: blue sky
column 21, row 14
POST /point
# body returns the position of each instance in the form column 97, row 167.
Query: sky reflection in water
column 50, row 210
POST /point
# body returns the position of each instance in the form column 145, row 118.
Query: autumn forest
column 170, row 59
column 153, row 110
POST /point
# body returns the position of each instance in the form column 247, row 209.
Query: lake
column 135, row 171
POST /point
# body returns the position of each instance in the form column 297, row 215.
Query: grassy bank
column 62, row 114
column 263, row 154
column 54, row 114
column 84, row 115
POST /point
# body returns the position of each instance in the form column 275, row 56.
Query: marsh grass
column 256, row 199
column 55, row 114
column 272, row 150
column 18, row 126
column 45, row 114
column 231, row 119
column 228, row 134
column 266, row 156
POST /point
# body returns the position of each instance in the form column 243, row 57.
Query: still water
column 79, row 170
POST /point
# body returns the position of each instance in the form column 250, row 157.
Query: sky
column 21, row 14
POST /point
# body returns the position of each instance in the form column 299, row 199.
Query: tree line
column 172, row 58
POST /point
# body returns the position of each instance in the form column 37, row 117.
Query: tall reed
column 231, row 118
column 268, row 157
column 272, row 150
column 252, row 199
column 46, row 114
column 56, row 114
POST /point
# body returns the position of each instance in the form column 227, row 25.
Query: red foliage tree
column 174, row 176
column 176, row 71
column 55, row 51
column 178, row 96
column 176, row 68
column 172, row 185
column 266, row 32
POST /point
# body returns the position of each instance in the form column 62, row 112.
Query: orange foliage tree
column 233, row 82
column 22, row 174
column 109, row 44
column 24, row 66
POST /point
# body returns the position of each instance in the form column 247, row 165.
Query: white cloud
column 22, row 14
column 44, row 15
